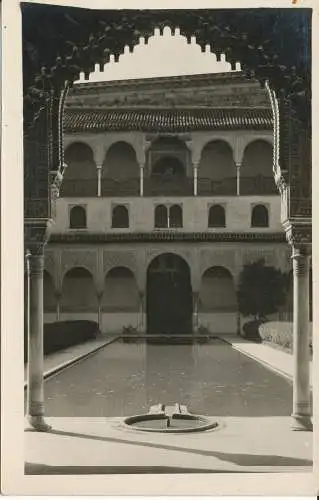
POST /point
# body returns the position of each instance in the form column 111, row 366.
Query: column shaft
column 238, row 179
column 195, row 179
column 141, row 180
column 301, row 381
column 99, row 180
column 35, row 393
column 195, row 311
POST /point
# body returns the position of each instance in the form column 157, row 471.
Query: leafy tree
column 262, row 289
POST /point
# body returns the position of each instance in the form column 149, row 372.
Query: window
column 259, row 216
column 175, row 216
column 120, row 217
column 161, row 216
column 78, row 217
column 216, row 216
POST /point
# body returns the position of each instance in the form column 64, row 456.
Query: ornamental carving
column 79, row 258
column 119, row 259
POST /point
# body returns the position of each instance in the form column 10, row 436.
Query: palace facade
column 168, row 192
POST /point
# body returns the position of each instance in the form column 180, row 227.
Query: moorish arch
column 169, row 298
column 217, row 169
column 80, row 176
column 78, row 291
column 217, row 291
column 120, row 292
column 120, row 162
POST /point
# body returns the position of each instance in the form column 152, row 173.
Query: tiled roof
column 170, row 120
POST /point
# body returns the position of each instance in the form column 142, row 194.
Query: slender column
column 142, row 310
column 58, row 296
column 301, row 416
column 99, row 180
column 195, row 168
column 195, row 311
column 238, row 178
column 141, row 179
column 35, row 397
column 99, row 311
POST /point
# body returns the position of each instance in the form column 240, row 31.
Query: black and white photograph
column 158, row 263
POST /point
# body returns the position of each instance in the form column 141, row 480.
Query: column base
column 37, row 423
column 301, row 422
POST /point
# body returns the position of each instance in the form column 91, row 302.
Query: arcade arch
column 217, row 291
column 80, row 176
column 217, row 169
column 78, row 291
column 120, row 170
column 120, row 291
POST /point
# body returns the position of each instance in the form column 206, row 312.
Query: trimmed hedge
column 280, row 333
column 251, row 330
column 63, row 334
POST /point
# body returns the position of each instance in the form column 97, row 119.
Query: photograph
column 156, row 170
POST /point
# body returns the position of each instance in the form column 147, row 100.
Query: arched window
column 216, row 216
column 161, row 216
column 175, row 216
column 259, row 216
column 78, row 217
column 120, row 217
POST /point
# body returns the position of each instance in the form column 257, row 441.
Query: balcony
column 161, row 186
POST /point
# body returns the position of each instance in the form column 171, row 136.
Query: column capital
column 299, row 236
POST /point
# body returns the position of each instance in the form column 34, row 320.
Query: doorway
column 169, row 302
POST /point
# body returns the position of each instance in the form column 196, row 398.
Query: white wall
column 195, row 213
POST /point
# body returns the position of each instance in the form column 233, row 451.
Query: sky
column 167, row 55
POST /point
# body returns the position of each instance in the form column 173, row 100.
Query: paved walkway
column 55, row 361
column 275, row 359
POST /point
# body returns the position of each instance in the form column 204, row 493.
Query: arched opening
column 120, row 172
column 120, row 217
column 49, row 297
column 78, row 217
column 217, row 292
column 256, row 172
column 259, row 216
column 169, row 303
column 175, row 216
column 78, row 291
column 80, row 176
column 217, row 170
column 161, row 216
column 216, row 216
column 120, row 291
column 168, row 168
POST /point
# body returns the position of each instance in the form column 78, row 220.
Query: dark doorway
column 169, row 303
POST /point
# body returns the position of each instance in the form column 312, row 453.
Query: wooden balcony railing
column 161, row 186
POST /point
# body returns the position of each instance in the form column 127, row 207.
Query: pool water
column 125, row 379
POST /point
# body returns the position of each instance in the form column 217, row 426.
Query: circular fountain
column 170, row 419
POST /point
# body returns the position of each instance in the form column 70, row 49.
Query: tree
column 262, row 289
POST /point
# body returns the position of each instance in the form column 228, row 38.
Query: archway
column 120, row 172
column 256, row 174
column 80, row 168
column 78, row 292
column 217, row 170
column 169, row 303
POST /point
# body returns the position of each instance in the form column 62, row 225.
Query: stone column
column 99, row 180
column 195, row 168
column 195, row 311
column 238, row 165
column 301, row 416
column 142, row 325
column 141, row 179
column 58, row 296
column 35, row 393
column 99, row 310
